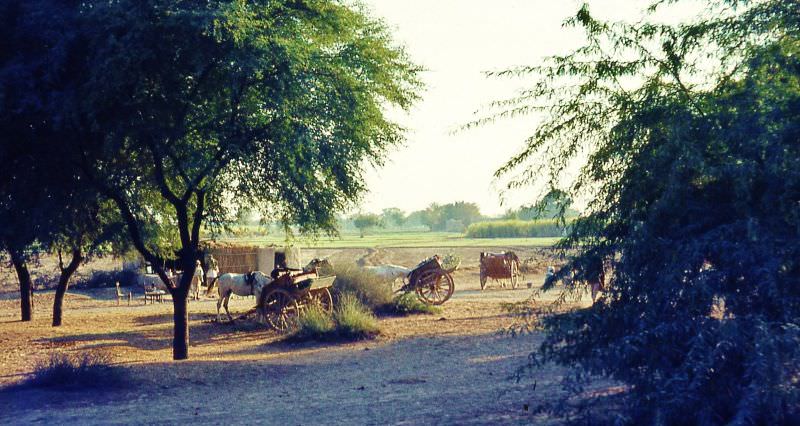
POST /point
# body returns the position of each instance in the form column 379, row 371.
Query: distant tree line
column 460, row 216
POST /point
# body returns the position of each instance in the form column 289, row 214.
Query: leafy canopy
column 689, row 139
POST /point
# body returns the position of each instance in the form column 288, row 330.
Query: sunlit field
column 390, row 240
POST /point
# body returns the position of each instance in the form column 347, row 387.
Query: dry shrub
column 373, row 291
column 86, row 371
column 100, row 279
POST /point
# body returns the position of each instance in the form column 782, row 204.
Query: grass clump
column 351, row 320
column 89, row 370
column 314, row 324
column 354, row 320
column 408, row 303
column 371, row 290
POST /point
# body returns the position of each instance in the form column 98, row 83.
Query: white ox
column 388, row 272
column 240, row 285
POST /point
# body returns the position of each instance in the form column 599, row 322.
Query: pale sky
column 456, row 41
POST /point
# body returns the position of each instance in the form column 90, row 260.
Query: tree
column 437, row 215
column 365, row 222
column 393, row 216
column 691, row 141
column 24, row 199
column 181, row 113
column 87, row 229
column 45, row 205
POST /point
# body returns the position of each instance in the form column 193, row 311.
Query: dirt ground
column 450, row 368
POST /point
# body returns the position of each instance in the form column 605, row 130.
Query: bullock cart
column 500, row 266
column 290, row 293
column 430, row 281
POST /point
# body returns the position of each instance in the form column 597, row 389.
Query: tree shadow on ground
column 345, row 384
column 154, row 332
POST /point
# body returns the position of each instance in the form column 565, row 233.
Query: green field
column 394, row 239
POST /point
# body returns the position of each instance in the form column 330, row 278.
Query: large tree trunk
column 63, row 285
column 180, row 315
column 25, row 285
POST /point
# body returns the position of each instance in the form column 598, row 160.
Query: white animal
column 388, row 272
column 240, row 285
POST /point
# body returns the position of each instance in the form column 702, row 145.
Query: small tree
column 365, row 222
column 87, row 230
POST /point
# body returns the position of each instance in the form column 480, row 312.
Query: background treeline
column 462, row 216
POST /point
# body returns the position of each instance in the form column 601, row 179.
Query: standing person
column 196, row 280
column 597, row 278
column 212, row 274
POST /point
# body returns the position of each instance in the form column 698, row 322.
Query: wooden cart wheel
column 280, row 310
column 514, row 274
column 323, row 299
column 483, row 279
column 435, row 287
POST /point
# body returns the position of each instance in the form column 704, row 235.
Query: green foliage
column 436, row 215
column 516, row 229
column 393, row 217
column 371, row 290
column 353, row 319
column 548, row 208
column 366, row 221
column 409, row 303
column 314, row 324
column 87, row 371
column 690, row 139
column 183, row 113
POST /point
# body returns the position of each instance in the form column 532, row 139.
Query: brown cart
column 430, row 281
column 500, row 266
column 290, row 293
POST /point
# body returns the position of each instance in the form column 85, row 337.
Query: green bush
column 314, row 323
column 516, row 229
column 408, row 303
column 351, row 320
column 373, row 291
column 354, row 320
column 90, row 370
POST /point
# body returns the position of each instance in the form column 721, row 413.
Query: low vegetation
column 516, row 229
column 371, row 290
column 86, row 371
column 98, row 279
column 408, row 303
column 354, row 320
column 351, row 320
column 314, row 324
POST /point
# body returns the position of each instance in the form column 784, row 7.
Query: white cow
column 388, row 272
column 240, row 285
